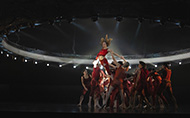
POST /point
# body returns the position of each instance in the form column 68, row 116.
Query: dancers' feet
column 89, row 105
column 123, row 106
column 79, row 105
column 103, row 106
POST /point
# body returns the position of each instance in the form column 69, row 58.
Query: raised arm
column 114, row 53
column 114, row 60
column 123, row 59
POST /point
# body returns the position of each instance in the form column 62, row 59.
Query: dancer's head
column 85, row 72
column 126, row 66
column 165, row 65
column 142, row 64
column 105, row 42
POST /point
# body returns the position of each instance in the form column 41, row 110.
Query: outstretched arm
column 114, row 53
column 122, row 57
column 114, row 60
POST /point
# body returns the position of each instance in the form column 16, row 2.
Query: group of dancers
column 117, row 88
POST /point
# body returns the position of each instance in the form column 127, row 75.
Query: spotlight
column 36, row 62
column 94, row 18
column 140, row 20
column 180, row 63
column 87, row 67
column 119, row 18
column 177, row 24
column 47, row 64
column 60, row 65
column 15, row 58
column 1, row 52
column 7, row 55
column 157, row 21
column 25, row 60
column 74, row 66
column 71, row 20
column 156, row 66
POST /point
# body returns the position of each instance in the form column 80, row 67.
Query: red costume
column 142, row 82
column 166, row 84
column 95, row 81
column 104, row 61
column 117, row 83
column 156, row 83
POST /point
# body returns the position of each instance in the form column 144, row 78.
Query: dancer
column 118, row 80
column 166, row 83
column 105, row 43
column 156, row 80
column 85, row 80
column 95, row 85
column 140, row 83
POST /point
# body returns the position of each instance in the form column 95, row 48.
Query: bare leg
column 122, row 99
column 81, row 100
column 89, row 102
column 108, row 95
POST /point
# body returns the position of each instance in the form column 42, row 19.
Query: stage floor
column 72, row 110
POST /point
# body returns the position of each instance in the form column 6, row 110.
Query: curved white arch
column 89, row 61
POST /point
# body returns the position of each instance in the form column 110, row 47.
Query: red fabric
column 168, row 76
column 102, row 52
column 118, row 78
column 142, row 83
column 113, row 96
column 104, row 63
column 95, row 82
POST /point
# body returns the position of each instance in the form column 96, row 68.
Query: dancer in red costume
column 166, row 84
column 140, row 83
column 105, row 43
column 118, row 80
column 94, row 85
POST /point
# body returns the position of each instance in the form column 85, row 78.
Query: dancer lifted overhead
column 105, row 43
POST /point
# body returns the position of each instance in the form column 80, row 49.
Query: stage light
column 71, row 20
column 74, row 66
column 25, row 60
column 7, row 55
column 87, row 67
column 1, row 52
column 36, row 62
column 156, row 66
column 140, row 20
column 180, row 63
column 37, row 24
column 47, row 64
column 15, row 58
column 94, row 18
column 60, row 65
column 177, row 23
column 158, row 21
column 119, row 18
